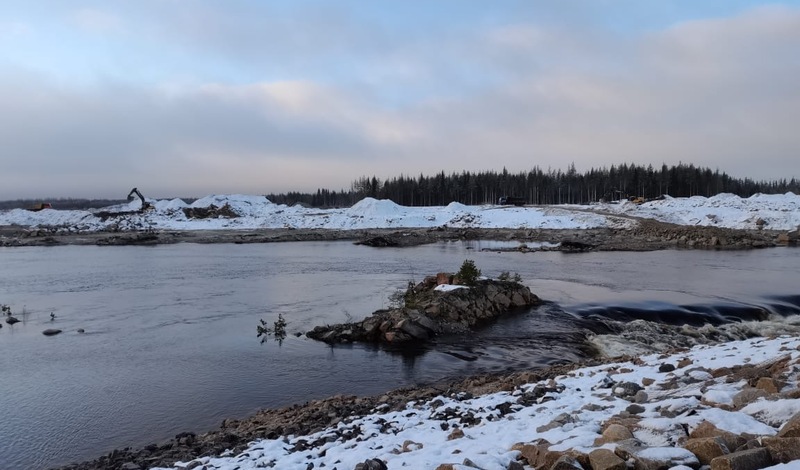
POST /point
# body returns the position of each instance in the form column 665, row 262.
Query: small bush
column 506, row 276
column 404, row 298
column 469, row 273
column 278, row 329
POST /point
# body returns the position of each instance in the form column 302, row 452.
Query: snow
column 723, row 210
column 778, row 211
column 414, row 437
column 448, row 287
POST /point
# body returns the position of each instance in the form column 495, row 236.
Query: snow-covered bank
column 738, row 391
column 779, row 212
column 770, row 211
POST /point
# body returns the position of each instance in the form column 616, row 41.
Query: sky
column 191, row 97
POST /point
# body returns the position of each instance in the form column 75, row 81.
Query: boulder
column 666, row 367
column 706, row 448
column 557, row 422
column 791, row 428
column 566, row 462
column 658, row 458
column 616, row 432
column 753, row 459
column 604, row 459
column 782, row 449
column 11, row 320
column 635, row 409
column 51, row 332
column 538, row 454
column 444, row 278
column 626, row 389
column 767, row 384
column 371, row 464
column 747, row 396
column 706, row 429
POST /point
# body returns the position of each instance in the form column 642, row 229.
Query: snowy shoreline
column 219, row 212
column 648, row 409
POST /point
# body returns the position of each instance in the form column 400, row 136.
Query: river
column 169, row 341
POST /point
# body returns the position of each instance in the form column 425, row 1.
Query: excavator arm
column 145, row 204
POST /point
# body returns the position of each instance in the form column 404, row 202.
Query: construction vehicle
column 145, row 205
column 40, row 206
column 511, row 201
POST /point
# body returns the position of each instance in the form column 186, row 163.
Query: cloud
column 719, row 92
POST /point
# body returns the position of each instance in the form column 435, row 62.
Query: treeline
column 60, row 203
column 542, row 187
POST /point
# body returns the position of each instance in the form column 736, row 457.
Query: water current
column 169, row 341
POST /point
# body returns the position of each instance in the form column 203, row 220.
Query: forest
column 542, row 187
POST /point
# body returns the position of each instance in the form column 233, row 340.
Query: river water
column 170, row 331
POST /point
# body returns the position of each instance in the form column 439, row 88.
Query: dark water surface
column 170, row 346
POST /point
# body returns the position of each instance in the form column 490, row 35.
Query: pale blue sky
column 183, row 97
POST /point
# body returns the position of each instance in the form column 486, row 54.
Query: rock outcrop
column 431, row 310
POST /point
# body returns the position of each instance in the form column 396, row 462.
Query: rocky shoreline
column 675, row 386
column 307, row 418
column 647, row 235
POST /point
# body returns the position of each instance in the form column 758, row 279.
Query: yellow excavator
column 145, row 205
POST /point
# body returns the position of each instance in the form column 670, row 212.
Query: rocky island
column 441, row 304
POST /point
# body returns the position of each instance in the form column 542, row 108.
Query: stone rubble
column 624, row 440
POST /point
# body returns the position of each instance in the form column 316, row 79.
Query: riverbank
column 733, row 401
column 645, row 235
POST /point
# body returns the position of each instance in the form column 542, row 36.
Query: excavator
column 145, row 205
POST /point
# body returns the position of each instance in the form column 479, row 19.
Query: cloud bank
column 243, row 98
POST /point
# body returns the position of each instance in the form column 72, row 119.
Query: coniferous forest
column 542, row 187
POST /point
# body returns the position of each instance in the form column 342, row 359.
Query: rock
column 616, row 432
column 656, row 458
column 782, row 449
column 514, row 465
column 414, row 330
column 446, row 466
column 371, row 464
column 557, row 422
column 791, row 428
column 566, row 462
column 666, row 368
column 647, row 381
column 747, row 396
column 51, row 332
column 626, row 389
column 130, row 466
column 752, row 459
column 378, row 242
column 11, row 320
column 457, row 433
column 428, row 313
column 538, row 454
column 410, row 446
column 81, row 330
column 706, row 448
column 706, row 429
column 604, row 459
column 640, row 397
column 684, row 362
column 635, row 409
column 767, row 384
column 444, row 278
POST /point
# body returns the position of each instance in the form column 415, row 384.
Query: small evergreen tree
column 469, row 273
